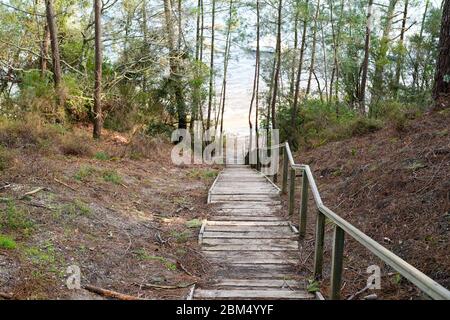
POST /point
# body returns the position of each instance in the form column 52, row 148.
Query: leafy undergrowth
column 116, row 208
column 394, row 186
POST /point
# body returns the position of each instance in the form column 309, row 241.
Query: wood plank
column 247, row 223
column 250, row 234
column 225, row 241
column 244, row 260
column 253, row 254
column 246, row 218
column 285, row 229
column 252, row 294
column 250, row 247
column 259, row 283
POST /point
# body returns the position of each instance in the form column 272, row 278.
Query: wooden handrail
column 342, row 227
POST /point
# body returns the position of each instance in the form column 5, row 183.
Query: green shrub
column 194, row 223
column 73, row 145
column 15, row 218
column 112, row 176
column 5, row 158
column 7, row 242
column 102, row 156
column 362, row 125
column 84, row 172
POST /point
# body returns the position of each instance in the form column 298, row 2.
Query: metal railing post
column 304, row 206
column 318, row 251
column 336, row 263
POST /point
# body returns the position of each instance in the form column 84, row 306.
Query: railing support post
column 292, row 191
column 285, row 171
column 318, row 251
column 304, row 206
column 336, row 263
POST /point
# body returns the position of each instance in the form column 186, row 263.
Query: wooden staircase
column 253, row 251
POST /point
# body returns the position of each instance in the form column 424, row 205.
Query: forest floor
column 129, row 223
column 394, row 185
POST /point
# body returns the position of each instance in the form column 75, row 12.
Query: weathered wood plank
column 225, row 241
column 246, row 218
column 250, row 247
column 249, row 234
column 253, row 294
column 280, row 284
column 247, row 223
column 285, row 229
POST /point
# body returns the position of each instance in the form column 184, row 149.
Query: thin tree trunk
column 381, row 56
column 313, row 50
column 44, row 51
column 277, row 68
column 418, row 60
column 56, row 59
column 298, row 79
column 175, row 78
column 365, row 66
column 225, row 64
column 98, row 117
column 255, row 92
column 294, row 56
column 211, row 66
column 400, row 58
column 441, row 90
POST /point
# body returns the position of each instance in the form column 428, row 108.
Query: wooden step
column 252, row 294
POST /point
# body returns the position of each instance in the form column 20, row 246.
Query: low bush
column 74, row 145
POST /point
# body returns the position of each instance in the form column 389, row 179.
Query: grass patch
column 15, row 218
column 194, row 223
column 181, row 237
column 84, row 172
column 202, row 174
column 42, row 256
column 112, row 176
column 6, row 158
column 73, row 145
column 143, row 255
column 103, row 156
column 76, row 207
column 7, row 242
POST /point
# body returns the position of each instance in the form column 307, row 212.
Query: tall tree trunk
column 294, row 56
column 255, row 91
column 277, row 68
column 313, row 50
column 174, row 77
column 419, row 54
column 381, row 55
column 365, row 65
column 56, row 59
column 225, row 65
column 298, row 78
column 196, row 89
column 211, row 66
column 441, row 90
column 401, row 55
column 98, row 117
column 44, row 51
column 145, row 48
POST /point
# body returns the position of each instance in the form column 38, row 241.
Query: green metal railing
column 342, row 228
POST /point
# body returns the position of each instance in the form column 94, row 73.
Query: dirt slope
column 395, row 187
column 126, row 223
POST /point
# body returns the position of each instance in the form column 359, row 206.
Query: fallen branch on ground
column 159, row 286
column 109, row 293
column 65, row 184
column 32, row 192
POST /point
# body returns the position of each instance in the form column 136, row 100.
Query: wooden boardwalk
column 253, row 251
